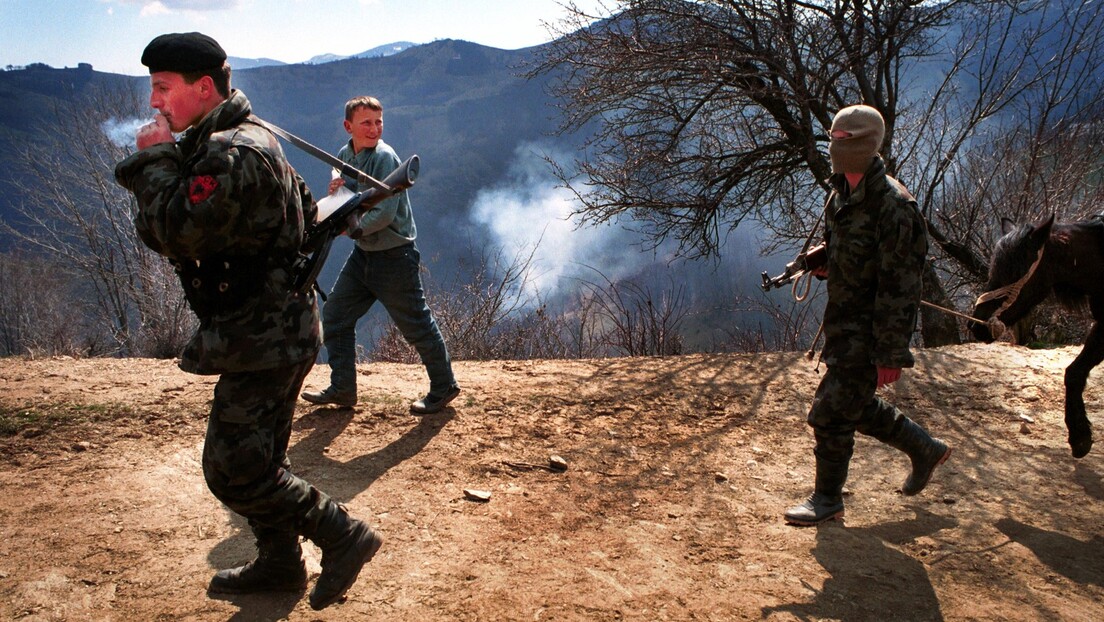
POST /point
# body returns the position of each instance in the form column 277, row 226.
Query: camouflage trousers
column 845, row 403
column 245, row 450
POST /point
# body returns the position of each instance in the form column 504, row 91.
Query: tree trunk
column 936, row 327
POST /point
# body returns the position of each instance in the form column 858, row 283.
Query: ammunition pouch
column 220, row 286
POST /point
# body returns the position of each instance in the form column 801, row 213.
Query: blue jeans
column 392, row 278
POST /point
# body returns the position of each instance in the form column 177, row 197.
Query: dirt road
column 670, row 509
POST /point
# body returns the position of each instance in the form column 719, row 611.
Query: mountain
column 461, row 107
column 480, row 128
column 251, row 63
column 389, row 49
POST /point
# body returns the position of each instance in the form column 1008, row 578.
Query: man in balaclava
column 877, row 244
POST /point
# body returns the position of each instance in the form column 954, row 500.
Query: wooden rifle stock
column 805, row 262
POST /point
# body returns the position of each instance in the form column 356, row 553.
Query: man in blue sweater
column 384, row 266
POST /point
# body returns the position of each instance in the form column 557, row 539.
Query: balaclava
column 867, row 129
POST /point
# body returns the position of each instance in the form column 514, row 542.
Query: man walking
column 877, row 242
column 226, row 208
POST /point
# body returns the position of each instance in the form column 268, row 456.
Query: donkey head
column 1013, row 257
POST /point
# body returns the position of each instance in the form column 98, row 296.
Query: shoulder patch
column 201, row 187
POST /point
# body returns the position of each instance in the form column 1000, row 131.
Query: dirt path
column 678, row 471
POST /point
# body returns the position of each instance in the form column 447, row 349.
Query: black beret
column 183, row 52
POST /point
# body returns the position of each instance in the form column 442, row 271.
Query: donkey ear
column 1045, row 225
column 1041, row 229
column 1006, row 226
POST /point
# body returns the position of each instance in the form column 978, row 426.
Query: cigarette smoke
column 122, row 133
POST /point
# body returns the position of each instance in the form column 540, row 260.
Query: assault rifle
column 320, row 236
column 806, row 262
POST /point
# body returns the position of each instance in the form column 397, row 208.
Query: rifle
column 320, row 236
column 806, row 262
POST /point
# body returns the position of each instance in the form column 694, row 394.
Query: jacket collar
column 874, row 175
column 230, row 113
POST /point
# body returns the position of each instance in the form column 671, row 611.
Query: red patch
column 202, row 187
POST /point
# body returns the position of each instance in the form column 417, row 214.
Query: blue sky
column 110, row 34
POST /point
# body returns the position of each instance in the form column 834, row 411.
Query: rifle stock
column 320, row 235
column 805, row 262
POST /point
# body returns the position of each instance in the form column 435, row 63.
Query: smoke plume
column 529, row 211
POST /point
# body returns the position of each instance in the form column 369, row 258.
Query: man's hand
column 336, row 183
column 888, row 375
column 816, row 259
column 154, row 133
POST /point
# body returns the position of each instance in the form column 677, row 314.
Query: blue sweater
column 390, row 223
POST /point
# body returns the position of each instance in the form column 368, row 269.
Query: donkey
column 1029, row 262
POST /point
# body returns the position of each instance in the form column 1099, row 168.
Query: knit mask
column 867, row 129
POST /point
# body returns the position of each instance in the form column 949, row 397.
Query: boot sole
column 813, row 523
column 327, row 402
column 373, row 545
column 221, row 589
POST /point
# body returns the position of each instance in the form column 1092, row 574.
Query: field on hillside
column 679, row 470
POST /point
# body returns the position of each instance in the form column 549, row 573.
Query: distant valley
column 482, row 132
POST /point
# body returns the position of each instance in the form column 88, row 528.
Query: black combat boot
column 826, row 502
column 347, row 544
column 278, row 568
column 925, row 452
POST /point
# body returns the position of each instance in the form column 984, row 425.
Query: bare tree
column 38, row 316
column 492, row 315
column 495, row 315
column 710, row 112
column 1030, row 141
column 74, row 213
column 782, row 328
column 707, row 113
column 582, row 326
column 635, row 320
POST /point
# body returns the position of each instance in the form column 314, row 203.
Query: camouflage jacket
column 225, row 195
column 877, row 244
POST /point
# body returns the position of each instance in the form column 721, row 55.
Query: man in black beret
column 183, row 53
column 226, row 208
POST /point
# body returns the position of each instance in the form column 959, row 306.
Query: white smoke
column 529, row 211
column 122, row 132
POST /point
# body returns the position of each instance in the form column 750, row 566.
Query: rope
column 952, row 312
column 808, row 276
column 996, row 327
column 1012, row 290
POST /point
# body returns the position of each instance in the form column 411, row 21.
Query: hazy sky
column 110, row 34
